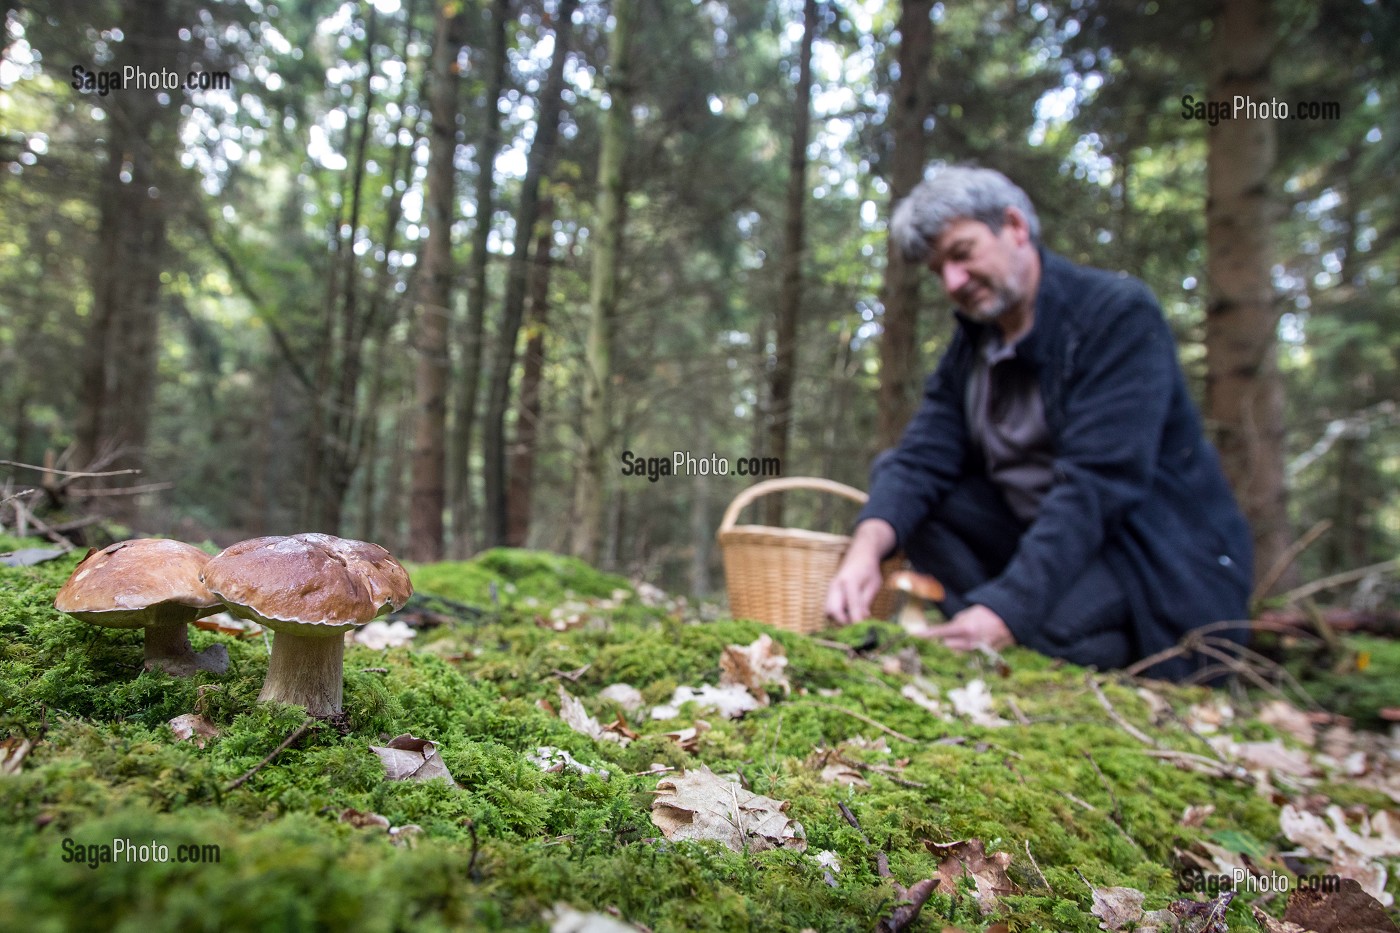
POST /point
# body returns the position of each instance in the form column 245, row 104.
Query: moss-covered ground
column 1069, row 793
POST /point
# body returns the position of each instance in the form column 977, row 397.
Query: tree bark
column 899, row 342
column 784, row 372
column 118, row 368
column 429, row 473
column 1244, row 391
column 470, row 339
column 589, row 500
column 540, row 161
column 520, row 488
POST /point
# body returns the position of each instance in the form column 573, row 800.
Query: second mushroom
column 310, row 589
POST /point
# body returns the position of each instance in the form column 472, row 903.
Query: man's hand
column 974, row 626
column 858, row 579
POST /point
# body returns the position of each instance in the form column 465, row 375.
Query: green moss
column 508, row 841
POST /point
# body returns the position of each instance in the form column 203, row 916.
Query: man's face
column 983, row 272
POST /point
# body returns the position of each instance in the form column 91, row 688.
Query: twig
column 301, row 730
column 471, row 862
column 71, row 474
column 120, row 490
column 1043, row 879
column 24, row 515
column 839, row 646
column 867, row 720
column 1286, row 559
column 913, row 897
column 1117, row 807
column 1016, row 711
column 1340, row 579
column 1117, row 717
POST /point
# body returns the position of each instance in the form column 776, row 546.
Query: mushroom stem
column 168, row 648
column 306, row 671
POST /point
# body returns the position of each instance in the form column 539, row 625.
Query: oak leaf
column 700, row 805
column 406, row 758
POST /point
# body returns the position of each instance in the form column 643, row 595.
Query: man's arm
column 858, row 579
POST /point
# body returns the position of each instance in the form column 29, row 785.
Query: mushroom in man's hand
column 310, row 589
column 149, row 583
column 918, row 589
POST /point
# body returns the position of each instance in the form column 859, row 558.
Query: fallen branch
column 69, row 474
column 301, row 730
column 1340, row 579
column 1286, row 559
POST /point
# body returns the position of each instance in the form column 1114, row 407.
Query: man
column 1056, row 477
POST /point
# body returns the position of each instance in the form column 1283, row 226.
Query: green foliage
column 510, row 841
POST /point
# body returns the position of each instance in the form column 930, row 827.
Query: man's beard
column 1003, row 298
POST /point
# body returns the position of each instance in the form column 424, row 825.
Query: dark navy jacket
column 1134, row 476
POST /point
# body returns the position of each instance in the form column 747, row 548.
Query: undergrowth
column 1068, row 793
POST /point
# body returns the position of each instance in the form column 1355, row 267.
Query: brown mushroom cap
column 135, row 583
column 309, row 584
column 917, row 584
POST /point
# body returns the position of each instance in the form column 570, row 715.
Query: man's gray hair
column 956, row 192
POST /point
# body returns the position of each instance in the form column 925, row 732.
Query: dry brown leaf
column 1287, row 718
column 699, row 804
column 1208, row 717
column 1270, row 925
column 689, row 739
column 359, row 819
column 192, row 727
column 577, row 718
column 566, row 919
column 974, row 701
column 843, row 774
column 1349, row 909
column 1201, row 916
column 1120, row 909
column 968, row 856
column 407, row 758
column 1269, row 756
column 13, row 751
column 1195, row 816
column 754, row 667
column 1354, row 853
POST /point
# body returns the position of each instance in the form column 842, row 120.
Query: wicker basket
column 780, row 575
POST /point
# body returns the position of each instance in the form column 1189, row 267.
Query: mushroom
column 149, row 583
column 310, row 589
column 918, row 588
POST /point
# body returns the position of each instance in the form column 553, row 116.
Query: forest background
column 420, row 272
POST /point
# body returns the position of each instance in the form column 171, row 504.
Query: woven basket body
column 780, row 575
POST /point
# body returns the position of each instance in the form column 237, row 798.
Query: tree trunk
column 429, row 474
column 470, row 340
column 899, row 343
column 784, row 372
column 1244, row 391
column 498, row 398
column 589, row 500
column 520, row 490
column 120, row 353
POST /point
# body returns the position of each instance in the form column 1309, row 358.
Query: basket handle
column 768, row 486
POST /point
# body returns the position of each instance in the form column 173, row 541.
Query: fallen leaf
column 1206, row 718
column 1194, row 816
column 1120, row 909
column 1270, row 925
column 1203, row 916
column 226, row 623
column 28, row 557
column 699, row 804
column 689, row 739
column 577, row 718
column 975, row 702
column 549, row 758
column 624, row 695
column 13, row 751
column 731, row 702
column 968, row 856
column 359, row 819
column 1267, row 756
column 1348, row 909
column 407, row 758
column 1354, row 853
column 843, row 774
column 1287, row 718
column 754, row 667
column 919, row 698
column 193, row 727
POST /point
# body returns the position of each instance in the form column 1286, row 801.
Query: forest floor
column 610, row 758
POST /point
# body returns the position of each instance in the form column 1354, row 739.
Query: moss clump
column 509, row 841
column 533, row 578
